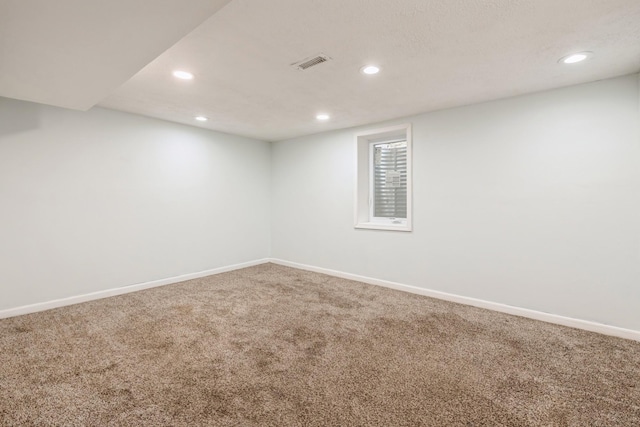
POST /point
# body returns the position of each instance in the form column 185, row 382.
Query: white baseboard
column 503, row 308
column 33, row 308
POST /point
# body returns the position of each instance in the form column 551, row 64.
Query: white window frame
column 364, row 178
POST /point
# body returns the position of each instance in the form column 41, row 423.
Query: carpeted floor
column 275, row 346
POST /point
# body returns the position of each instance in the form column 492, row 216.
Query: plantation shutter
column 390, row 179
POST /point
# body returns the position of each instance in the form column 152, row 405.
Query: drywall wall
column 532, row 201
column 102, row 199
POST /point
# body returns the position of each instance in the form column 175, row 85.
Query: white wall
column 101, row 199
column 532, row 201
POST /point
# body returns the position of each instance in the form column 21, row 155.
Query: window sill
column 379, row 226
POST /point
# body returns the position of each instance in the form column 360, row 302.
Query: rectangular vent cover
column 310, row 62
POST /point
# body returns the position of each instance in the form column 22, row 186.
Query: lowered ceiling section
column 73, row 53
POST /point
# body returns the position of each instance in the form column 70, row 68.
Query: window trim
column 363, row 218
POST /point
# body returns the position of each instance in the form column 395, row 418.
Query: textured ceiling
column 433, row 55
column 73, row 53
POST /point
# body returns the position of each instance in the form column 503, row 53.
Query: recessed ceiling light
column 370, row 69
column 201, row 118
column 322, row 117
column 576, row 57
column 184, row 75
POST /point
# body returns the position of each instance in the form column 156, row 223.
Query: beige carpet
column 275, row 346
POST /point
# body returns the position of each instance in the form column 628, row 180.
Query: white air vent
column 310, row 62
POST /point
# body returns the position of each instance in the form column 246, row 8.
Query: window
column 383, row 179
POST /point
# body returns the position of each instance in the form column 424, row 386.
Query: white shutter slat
column 390, row 180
